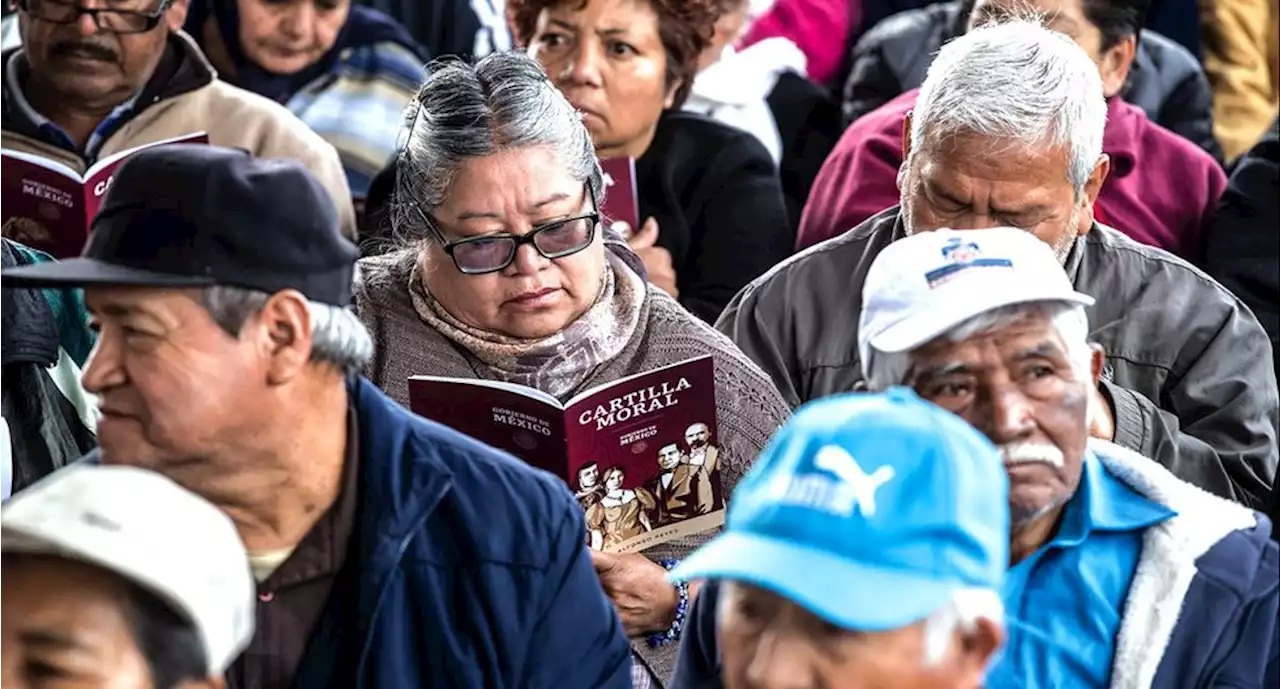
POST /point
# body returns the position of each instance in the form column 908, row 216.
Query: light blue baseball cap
column 868, row 510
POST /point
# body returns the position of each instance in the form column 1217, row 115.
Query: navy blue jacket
column 467, row 569
column 1227, row 634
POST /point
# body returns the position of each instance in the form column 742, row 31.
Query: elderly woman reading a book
column 506, row 273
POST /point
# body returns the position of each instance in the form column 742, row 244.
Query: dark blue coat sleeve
column 578, row 640
column 698, row 662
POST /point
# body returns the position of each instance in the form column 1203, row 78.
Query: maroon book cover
column 642, row 454
column 49, row 206
column 621, row 201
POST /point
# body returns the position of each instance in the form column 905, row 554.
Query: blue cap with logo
column 868, row 510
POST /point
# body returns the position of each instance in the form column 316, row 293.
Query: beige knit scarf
column 557, row 364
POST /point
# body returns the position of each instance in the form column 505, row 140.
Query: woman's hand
column 657, row 260
column 639, row 589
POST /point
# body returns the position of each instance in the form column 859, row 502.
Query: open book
column 621, row 200
column 641, row 453
column 49, row 206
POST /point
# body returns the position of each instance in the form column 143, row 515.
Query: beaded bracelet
column 682, row 609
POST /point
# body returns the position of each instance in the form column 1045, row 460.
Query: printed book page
column 645, row 457
column 641, row 454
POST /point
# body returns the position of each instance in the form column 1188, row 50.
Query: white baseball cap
column 149, row 530
column 921, row 286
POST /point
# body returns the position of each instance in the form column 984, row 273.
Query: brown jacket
column 1242, row 61
column 185, row 96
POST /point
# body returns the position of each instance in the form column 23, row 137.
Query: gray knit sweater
column 748, row 406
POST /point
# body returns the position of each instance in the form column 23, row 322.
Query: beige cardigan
column 749, row 407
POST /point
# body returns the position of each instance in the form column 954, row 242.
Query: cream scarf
column 557, row 364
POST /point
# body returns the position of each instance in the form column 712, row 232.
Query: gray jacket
column 1188, row 366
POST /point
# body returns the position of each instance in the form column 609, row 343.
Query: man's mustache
column 1022, row 453
column 92, row 51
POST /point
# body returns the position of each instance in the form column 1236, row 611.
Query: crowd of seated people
column 964, row 317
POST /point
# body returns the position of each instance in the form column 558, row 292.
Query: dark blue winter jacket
column 467, row 569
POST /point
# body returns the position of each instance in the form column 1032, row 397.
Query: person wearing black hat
column 389, row 551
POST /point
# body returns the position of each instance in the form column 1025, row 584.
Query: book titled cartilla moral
column 641, row 454
column 49, row 206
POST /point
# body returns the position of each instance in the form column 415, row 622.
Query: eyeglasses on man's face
column 490, row 253
column 118, row 16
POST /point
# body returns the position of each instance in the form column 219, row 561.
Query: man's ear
column 1092, row 187
column 285, row 322
column 176, row 15
column 1115, row 65
column 1097, row 362
column 978, row 648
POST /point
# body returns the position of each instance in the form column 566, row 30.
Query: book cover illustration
column 641, row 454
column 49, row 206
column 621, row 207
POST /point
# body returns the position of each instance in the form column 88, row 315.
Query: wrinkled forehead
column 995, row 346
column 55, row 591
column 159, row 302
column 1016, row 166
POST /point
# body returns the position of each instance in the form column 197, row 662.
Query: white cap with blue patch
column 921, row 286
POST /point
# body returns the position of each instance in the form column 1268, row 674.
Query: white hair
column 960, row 613
column 1018, row 81
column 337, row 335
column 1069, row 321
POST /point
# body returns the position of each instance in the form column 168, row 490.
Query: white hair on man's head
column 959, row 614
column 337, row 335
column 1020, row 82
column 1069, row 321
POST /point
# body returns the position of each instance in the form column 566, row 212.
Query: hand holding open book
column 49, row 206
column 639, row 453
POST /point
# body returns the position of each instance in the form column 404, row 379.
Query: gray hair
column 1017, row 81
column 960, row 613
column 462, row 111
column 1069, row 321
column 338, row 337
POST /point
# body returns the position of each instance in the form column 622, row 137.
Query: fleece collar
column 1167, row 564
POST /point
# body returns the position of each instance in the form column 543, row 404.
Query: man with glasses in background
column 92, row 79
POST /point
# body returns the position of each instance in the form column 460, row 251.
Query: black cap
column 188, row 215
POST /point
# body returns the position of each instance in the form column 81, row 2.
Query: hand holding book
column 657, row 260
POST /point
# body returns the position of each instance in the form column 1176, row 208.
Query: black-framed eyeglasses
column 112, row 19
column 490, row 253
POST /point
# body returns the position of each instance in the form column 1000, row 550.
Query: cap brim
column 916, row 330
column 846, row 593
column 14, row 541
column 77, row 272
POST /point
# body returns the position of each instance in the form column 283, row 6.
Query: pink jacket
column 820, row 28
